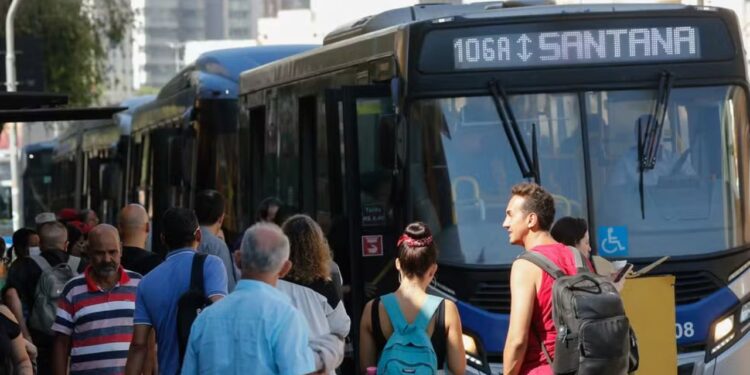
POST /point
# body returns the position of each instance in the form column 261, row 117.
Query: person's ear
column 238, row 259
column 285, row 269
column 398, row 265
column 66, row 245
column 198, row 235
column 432, row 270
column 221, row 219
column 532, row 220
column 148, row 227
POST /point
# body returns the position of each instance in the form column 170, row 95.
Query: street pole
column 16, row 130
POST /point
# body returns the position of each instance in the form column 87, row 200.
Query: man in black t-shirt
column 134, row 227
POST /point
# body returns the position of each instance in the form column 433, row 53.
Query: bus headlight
column 723, row 328
column 470, row 345
column 723, row 333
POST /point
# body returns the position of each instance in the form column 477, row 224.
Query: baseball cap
column 45, row 217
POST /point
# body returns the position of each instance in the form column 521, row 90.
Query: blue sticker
column 613, row 241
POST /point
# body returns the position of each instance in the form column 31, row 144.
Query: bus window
column 374, row 171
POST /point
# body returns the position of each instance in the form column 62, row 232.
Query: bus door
column 364, row 220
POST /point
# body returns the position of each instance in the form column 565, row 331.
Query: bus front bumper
column 734, row 360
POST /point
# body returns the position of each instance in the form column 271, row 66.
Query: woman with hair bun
column 416, row 265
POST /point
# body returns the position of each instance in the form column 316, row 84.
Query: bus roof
column 214, row 75
column 385, row 41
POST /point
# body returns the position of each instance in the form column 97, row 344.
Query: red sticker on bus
column 372, row 246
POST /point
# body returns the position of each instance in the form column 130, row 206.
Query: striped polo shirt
column 99, row 322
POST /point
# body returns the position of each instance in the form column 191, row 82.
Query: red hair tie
column 411, row 242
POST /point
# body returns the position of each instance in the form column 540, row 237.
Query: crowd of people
column 83, row 297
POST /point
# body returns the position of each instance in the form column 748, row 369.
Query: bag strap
column 541, row 343
column 580, row 262
column 74, row 262
column 41, row 262
column 427, row 310
column 394, row 312
column 196, row 272
column 543, row 262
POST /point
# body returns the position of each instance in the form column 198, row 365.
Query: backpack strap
column 543, row 262
column 74, row 262
column 394, row 312
column 196, row 272
column 580, row 262
column 427, row 310
column 41, row 262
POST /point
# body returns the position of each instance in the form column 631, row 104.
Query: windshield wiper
column 650, row 140
column 528, row 164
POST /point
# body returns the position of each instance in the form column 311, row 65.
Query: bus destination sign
column 643, row 44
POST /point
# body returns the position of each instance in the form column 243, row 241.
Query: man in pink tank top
column 528, row 218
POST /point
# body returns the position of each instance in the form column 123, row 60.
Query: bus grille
column 492, row 296
column 692, row 286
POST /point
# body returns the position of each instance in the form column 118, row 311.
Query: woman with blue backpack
column 410, row 331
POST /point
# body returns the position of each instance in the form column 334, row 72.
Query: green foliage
column 75, row 35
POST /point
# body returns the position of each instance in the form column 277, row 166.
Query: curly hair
column 309, row 251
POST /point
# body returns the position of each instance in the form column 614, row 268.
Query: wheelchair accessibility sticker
column 613, row 241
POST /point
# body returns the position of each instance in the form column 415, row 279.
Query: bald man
column 95, row 310
column 134, row 228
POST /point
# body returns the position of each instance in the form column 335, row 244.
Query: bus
column 634, row 117
column 184, row 141
column 37, row 180
column 89, row 162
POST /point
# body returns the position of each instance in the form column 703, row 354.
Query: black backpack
column 593, row 334
column 191, row 303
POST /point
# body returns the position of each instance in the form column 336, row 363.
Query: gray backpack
column 593, row 333
column 48, row 291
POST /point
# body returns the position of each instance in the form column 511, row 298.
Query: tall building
column 168, row 24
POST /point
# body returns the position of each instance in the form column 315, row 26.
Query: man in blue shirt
column 160, row 290
column 255, row 330
column 209, row 208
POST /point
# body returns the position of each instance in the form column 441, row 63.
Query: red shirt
column 542, row 325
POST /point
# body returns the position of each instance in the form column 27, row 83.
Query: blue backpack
column 409, row 349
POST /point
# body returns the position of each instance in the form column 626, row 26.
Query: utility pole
column 16, row 130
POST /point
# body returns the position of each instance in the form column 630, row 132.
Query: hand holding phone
column 623, row 271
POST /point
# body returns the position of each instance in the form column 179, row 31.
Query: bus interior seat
column 468, row 204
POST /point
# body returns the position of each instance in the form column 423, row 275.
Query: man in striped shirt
column 94, row 323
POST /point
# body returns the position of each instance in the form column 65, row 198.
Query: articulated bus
column 89, row 162
column 634, row 116
column 185, row 140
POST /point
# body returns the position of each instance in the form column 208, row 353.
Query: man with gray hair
column 255, row 329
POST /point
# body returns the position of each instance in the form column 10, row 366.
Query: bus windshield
column 692, row 197
column 468, row 168
column 463, row 170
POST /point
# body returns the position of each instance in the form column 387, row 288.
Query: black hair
column 265, row 205
column 209, row 206
column 416, row 250
column 178, row 227
column 21, row 241
column 569, row 230
column 74, row 234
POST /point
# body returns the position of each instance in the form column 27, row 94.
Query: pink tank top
column 542, row 325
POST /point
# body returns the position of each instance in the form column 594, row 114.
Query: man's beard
column 106, row 270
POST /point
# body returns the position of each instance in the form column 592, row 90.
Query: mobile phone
column 623, row 271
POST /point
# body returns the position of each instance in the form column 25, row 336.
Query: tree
column 76, row 35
